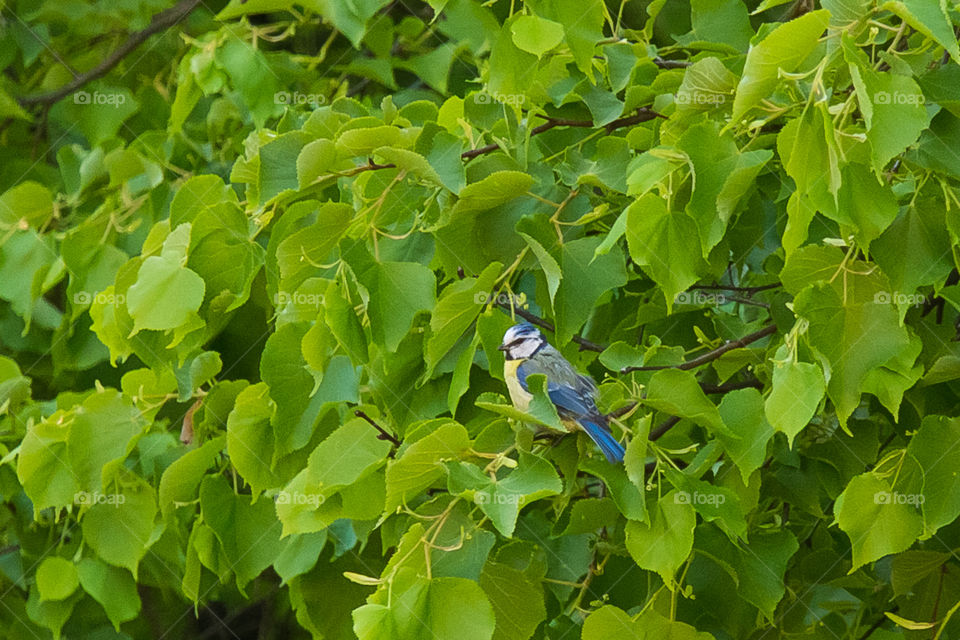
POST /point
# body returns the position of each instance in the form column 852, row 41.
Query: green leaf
column 914, row 251
column 930, row 18
column 664, row 544
column 610, row 623
column 166, row 294
column 494, row 190
column 249, row 534
column 536, row 35
column 299, row 253
column 876, row 522
column 443, row 608
column 121, row 530
column 665, row 244
column 678, row 393
column 893, row 109
column 928, row 472
column 180, row 480
column 420, row 465
column 250, row 438
column 456, row 310
column 57, row 578
column 398, row 292
column 585, row 281
column 797, row 390
column 516, row 599
column 855, row 336
column 551, row 270
column 28, row 203
column 784, row 48
column 502, row 499
column 114, row 588
column 582, row 22
column 743, row 412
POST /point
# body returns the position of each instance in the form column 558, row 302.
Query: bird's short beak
column 502, row 347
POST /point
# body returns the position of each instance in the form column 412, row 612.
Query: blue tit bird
column 527, row 352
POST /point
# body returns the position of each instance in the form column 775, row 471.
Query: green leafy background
column 254, row 272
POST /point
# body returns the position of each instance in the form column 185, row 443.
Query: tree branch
column 161, row 21
column 670, row 64
column 384, row 434
column 532, row 318
column 727, row 287
column 712, row 355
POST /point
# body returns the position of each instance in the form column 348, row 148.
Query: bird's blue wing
column 573, row 401
column 567, row 399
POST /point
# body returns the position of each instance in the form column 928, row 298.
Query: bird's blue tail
column 604, row 439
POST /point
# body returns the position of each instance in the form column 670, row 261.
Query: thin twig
column 711, row 355
column 643, row 114
column 163, row 20
column 384, row 434
column 532, row 318
column 876, row 625
column 731, row 386
column 670, row 64
column 657, row 432
column 727, row 287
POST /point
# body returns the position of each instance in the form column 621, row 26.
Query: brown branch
column 161, row 21
column 879, row 623
column 712, row 355
column 670, row 64
column 727, row 287
column 658, row 431
column 384, row 434
column 643, row 114
column 731, row 386
column 585, row 345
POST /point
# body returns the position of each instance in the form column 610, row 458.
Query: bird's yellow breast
column 519, row 397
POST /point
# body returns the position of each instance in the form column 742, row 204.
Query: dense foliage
column 256, row 259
